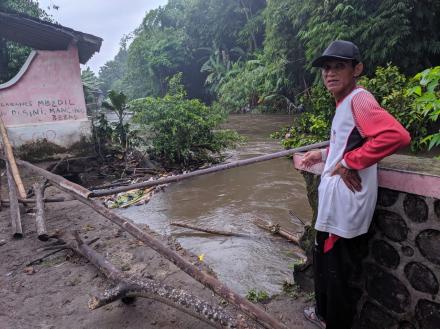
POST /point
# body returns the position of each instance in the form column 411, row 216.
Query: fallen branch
column 210, row 231
column 46, row 200
column 147, row 288
column 17, row 231
column 277, row 229
column 200, row 172
column 80, row 193
column 55, row 249
column 40, row 220
column 11, row 160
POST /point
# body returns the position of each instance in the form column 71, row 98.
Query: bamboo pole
column 148, row 288
column 17, row 231
column 40, row 220
column 210, row 231
column 10, row 158
column 200, row 172
column 80, row 193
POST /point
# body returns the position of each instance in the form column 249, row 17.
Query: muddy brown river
column 231, row 200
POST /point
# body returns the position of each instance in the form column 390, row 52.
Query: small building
column 45, row 100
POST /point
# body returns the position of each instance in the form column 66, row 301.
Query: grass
column 257, row 296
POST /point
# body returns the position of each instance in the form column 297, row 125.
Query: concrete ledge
column 63, row 133
column 403, row 173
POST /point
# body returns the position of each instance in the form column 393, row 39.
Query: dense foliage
column 415, row 102
column 248, row 54
column 182, row 130
column 184, row 36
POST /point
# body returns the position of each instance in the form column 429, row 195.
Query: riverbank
column 54, row 293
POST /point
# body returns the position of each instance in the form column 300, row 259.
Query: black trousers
column 334, row 272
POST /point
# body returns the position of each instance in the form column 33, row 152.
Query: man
column 362, row 133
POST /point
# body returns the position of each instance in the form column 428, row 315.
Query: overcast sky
column 107, row 19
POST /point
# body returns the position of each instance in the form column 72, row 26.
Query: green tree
column 92, row 91
column 112, row 73
column 117, row 103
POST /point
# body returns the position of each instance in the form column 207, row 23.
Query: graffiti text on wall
column 43, row 110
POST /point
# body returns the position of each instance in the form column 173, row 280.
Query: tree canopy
column 13, row 55
column 268, row 45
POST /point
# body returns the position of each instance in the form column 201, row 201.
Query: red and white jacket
column 362, row 133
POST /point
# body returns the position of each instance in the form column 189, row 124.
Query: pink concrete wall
column 409, row 181
column 49, row 91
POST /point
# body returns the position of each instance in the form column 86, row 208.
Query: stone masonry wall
column 401, row 273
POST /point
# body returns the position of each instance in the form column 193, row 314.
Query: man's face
column 339, row 76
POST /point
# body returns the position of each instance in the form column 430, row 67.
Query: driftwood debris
column 81, row 194
column 200, row 172
column 10, row 158
column 210, row 231
column 40, row 219
column 125, row 287
column 277, row 229
column 17, row 230
column 56, row 247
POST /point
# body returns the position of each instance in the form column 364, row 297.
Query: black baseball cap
column 339, row 49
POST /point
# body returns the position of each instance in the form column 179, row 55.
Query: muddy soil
column 54, row 293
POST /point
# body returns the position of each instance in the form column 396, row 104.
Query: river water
column 231, row 200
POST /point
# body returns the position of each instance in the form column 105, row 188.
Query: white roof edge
column 20, row 73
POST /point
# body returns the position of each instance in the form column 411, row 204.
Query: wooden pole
column 80, row 193
column 17, row 231
column 200, row 172
column 148, row 288
column 10, row 158
column 210, row 231
column 40, row 220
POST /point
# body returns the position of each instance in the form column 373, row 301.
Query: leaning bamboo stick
column 40, row 220
column 210, row 231
column 80, row 193
column 148, row 288
column 17, row 231
column 10, row 158
column 200, row 172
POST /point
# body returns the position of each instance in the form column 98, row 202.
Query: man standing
column 362, row 133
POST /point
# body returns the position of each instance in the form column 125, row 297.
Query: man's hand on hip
column 350, row 177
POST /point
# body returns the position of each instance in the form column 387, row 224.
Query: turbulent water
column 231, row 200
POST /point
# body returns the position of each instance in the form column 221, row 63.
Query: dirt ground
column 54, row 293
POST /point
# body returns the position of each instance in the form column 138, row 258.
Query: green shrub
column 182, row 130
column 427, row 103
column 313, row 125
